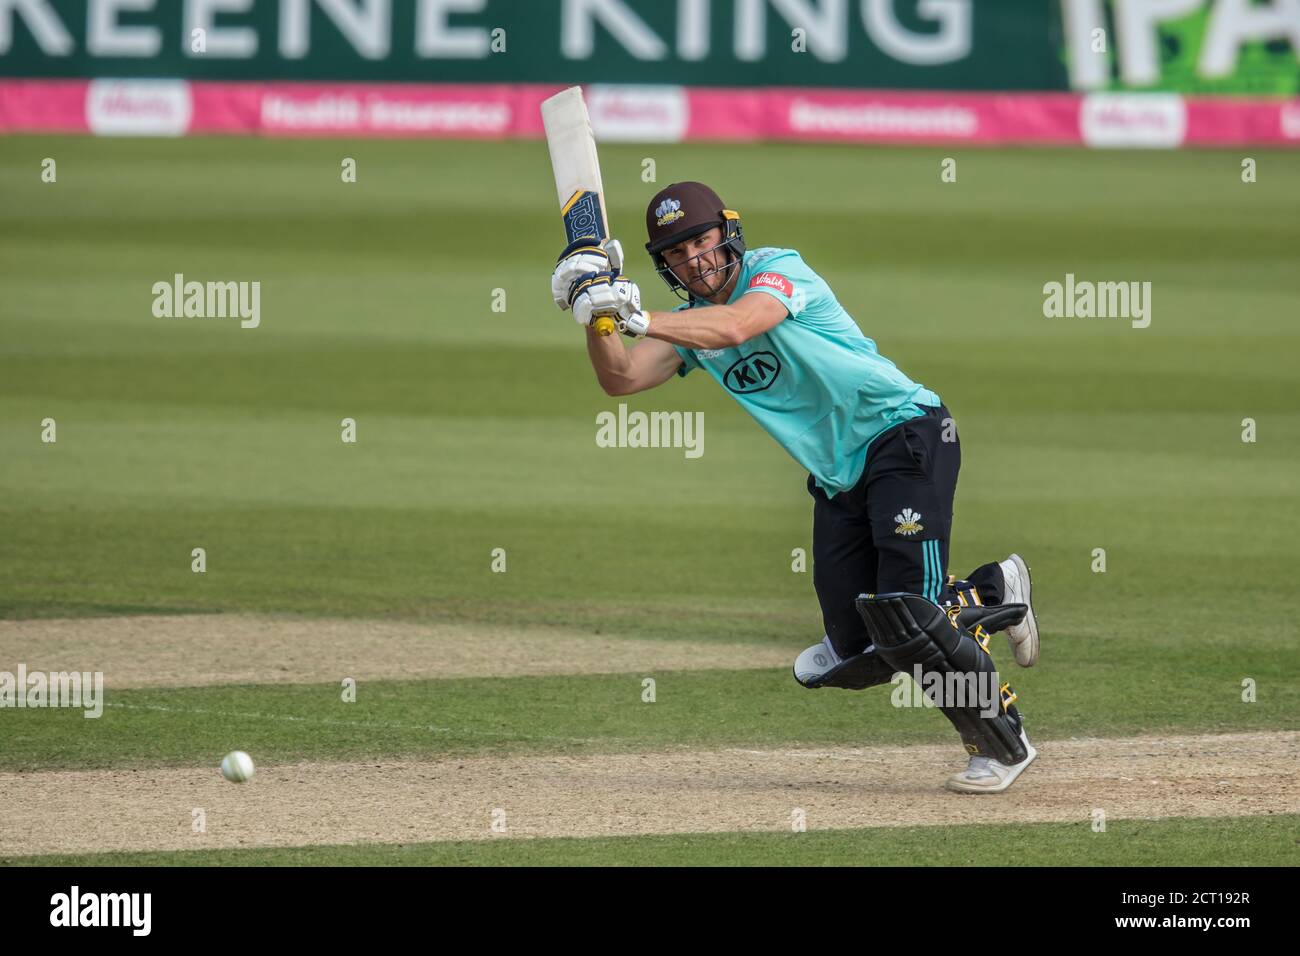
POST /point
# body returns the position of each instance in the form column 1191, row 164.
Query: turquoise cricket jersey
column 814, row 382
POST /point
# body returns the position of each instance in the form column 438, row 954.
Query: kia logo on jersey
column 753, row 373
column 773, row 281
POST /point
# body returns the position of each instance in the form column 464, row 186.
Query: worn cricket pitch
column 504, row 796
column 639, row 793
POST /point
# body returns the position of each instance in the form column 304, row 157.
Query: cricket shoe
column 1023, row 637
column 986, row 775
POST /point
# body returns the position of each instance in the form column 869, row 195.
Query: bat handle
column 605, row 326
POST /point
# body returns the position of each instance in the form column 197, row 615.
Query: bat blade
column 576, row 166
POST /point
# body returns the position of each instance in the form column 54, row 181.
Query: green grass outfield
column 1253, row 841
column 477, row 431
column 577, row 714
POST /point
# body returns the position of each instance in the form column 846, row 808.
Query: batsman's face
column 700, row 264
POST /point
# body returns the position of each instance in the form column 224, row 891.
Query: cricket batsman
column 881, row 451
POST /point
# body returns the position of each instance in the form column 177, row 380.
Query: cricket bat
column 577, row 173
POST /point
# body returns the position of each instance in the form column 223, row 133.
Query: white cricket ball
column 237, row 766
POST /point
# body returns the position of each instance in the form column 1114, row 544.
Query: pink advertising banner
column 43, row 106
column 646, row 113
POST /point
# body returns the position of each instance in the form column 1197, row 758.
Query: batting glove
column 579, row 258
column 608, row 294
column 636, row 323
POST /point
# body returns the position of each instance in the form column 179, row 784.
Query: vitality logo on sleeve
column 773, row 280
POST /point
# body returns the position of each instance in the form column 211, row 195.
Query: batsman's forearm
column 610, row 360
column 718, row 327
